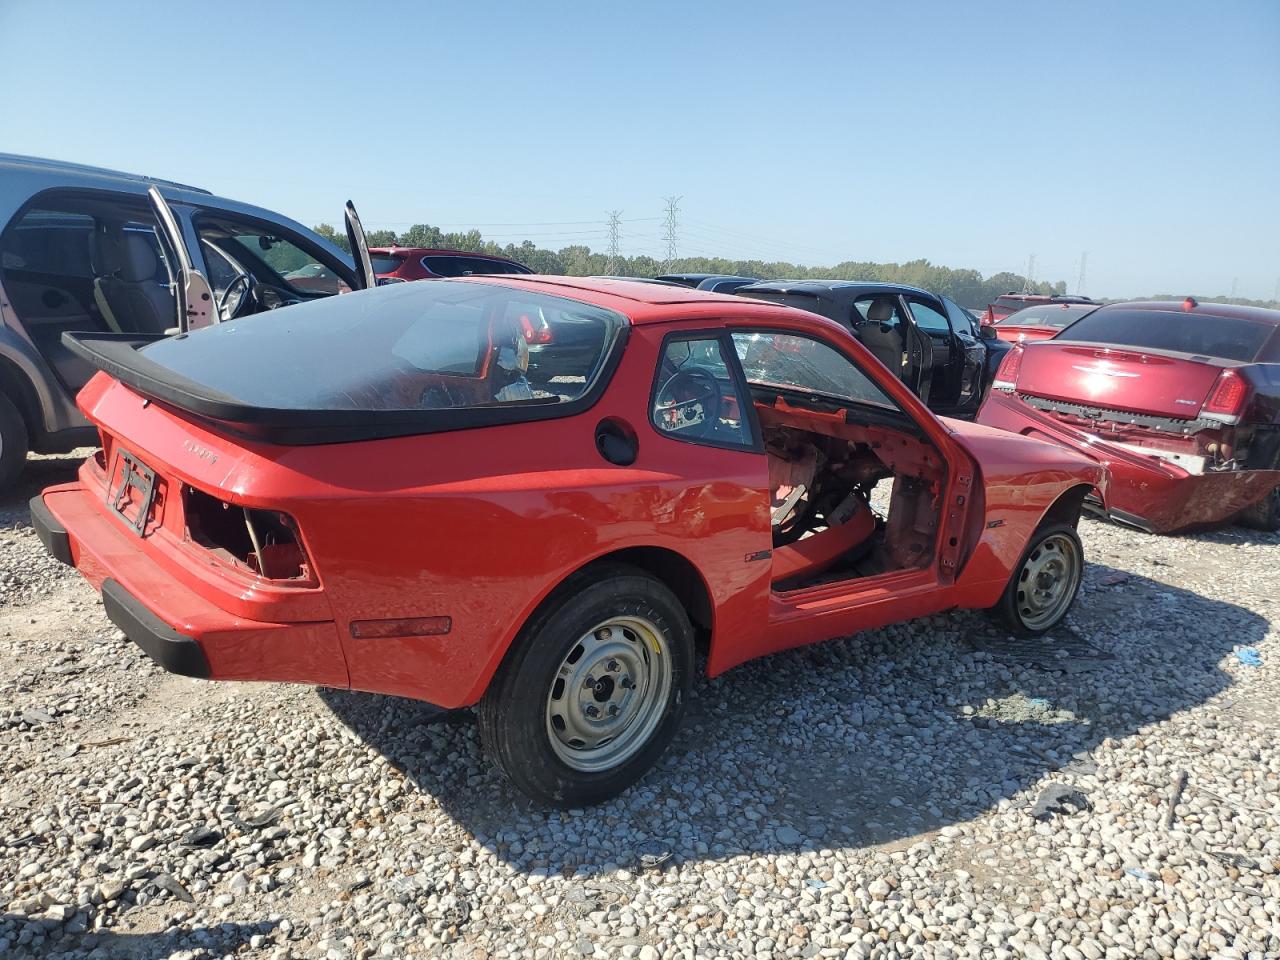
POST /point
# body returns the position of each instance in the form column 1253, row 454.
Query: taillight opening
column 265, row 542
column 1007, row 375
column 1227, row 399
column 536, row 330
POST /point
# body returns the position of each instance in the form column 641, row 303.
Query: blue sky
column 970, row 134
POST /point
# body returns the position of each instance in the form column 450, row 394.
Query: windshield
column 410, row 346
column 1229, row 338
column 1055, row 315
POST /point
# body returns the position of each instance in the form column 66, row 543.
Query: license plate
column 132, row 491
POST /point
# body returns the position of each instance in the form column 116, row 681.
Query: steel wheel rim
column 609, row 694
column 1047, row 581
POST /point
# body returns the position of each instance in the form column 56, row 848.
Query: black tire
column 13, row 443
column 516, row 719
column 1014, row 609
column 1263, row 515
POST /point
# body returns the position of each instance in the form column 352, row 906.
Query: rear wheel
column 1045, row 582
column 13, row 443
column 1263, row 515
column 593, row 690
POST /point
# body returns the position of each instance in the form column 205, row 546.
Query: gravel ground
column 870, row 797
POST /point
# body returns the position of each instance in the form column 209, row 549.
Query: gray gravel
column 870, row 797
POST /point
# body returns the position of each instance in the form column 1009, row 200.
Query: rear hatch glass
column 1178, row 331
column 385, row 262
column 404, row 347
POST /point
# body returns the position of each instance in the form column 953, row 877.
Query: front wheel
column 1045, row 582
column 1263, row 515
column 593, row 690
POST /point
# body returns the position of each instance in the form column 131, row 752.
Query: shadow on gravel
column 39, row 472
column 224, row 938
column 867, row 740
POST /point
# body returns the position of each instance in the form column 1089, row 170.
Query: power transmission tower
column 1276, row 298
column 1235, row 282
column 615, row 235
column 1031, row 274
column 671, row 235
column 1084, row 257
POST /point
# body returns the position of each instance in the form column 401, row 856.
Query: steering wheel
column 689, row 403
column 242, row 290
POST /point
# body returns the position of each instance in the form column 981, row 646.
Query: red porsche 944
column 541, row 496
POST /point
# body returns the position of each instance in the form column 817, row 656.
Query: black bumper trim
column 174, row 651
column 51, row 533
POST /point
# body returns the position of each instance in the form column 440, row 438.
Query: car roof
column 642, row 302
column 1231, row 310
column 437, row 251
column 16, row 161
column 28, row 177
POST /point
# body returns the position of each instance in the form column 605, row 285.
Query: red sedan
column 427, row 263
column 1041, row 322
column 373, row 492
column 1181, row 402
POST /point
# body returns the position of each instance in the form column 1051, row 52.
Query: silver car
column 87, row 249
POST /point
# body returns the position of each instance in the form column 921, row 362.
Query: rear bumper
column 183, row 631
column 1145, row 492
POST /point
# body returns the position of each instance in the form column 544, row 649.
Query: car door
column 359, row 248
column 974, row 349
column 930, row 318
column 196, row 306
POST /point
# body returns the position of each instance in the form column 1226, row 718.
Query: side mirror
column 987, row 333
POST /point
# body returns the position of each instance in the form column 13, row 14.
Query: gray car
column 87, row 249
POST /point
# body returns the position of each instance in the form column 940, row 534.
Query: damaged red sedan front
column 1181, row 402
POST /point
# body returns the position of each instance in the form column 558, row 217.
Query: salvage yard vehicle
column 429, row 263
column 1008, row 303
column 932, row 344
column 1180, row 401
column 86, row 249
column 1040, row 322
column 712, row 282
column 420, row 519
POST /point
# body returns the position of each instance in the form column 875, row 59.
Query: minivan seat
column 125, row 287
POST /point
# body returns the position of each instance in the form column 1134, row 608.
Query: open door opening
column 856, row 484
column 850, row 499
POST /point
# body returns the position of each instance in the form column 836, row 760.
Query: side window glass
column 804, row 365
column 928, row 319
column 696, row 396
column 270, row 259
column 961, row 319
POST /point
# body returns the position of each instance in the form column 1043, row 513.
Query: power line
column 672, row 227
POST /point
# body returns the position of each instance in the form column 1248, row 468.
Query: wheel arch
column 17, row 386
column 1067, row 507
column 671, row 568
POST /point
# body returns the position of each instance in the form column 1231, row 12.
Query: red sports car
column 1041, row 322
column 370, row 492
column 1181, row 402
column 426, row 263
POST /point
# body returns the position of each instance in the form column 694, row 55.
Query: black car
column 936, row 347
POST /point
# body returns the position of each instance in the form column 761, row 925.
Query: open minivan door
column 360, row 249
column 196, row 307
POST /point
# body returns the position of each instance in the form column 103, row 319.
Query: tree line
column 967, row 287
